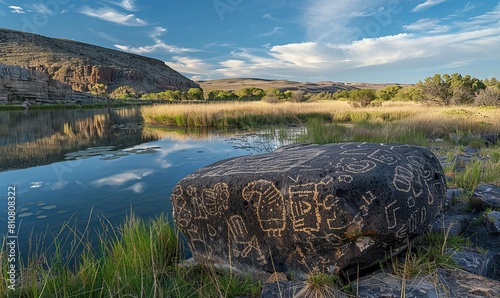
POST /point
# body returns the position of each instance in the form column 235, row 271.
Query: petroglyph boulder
column 308, row 207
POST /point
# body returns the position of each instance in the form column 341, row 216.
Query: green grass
column 427, row 254
column 319, row 132
column 139, row 259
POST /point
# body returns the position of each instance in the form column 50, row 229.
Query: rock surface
column 486, row 196
column 81, row 65
column 21, row 85
column 449, row 283
column 492, row 221
column 307, row 208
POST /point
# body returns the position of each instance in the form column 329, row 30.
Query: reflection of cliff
column 42, row 137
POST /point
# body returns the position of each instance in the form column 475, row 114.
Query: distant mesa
column 83, row 66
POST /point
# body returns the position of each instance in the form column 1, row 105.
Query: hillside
column 283, row 85
column 82, row 65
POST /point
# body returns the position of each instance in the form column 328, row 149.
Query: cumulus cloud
column 113, row 16
column 189, row 65
column 414, row 52
column 16, row 9
column 427, row 4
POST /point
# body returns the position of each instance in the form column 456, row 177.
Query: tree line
column 438, row 89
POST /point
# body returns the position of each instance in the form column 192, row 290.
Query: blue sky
column 400, row 41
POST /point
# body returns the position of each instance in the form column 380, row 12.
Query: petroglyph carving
column 271, row 208
column 368, row 198
column 390, row 214
column 402, row 179
column 356, row 166
column 244, row 244
column 385, row 156
column 181, row 213
column 266, row 163
column 216, row 199
column 305, row 206
column 198, row 208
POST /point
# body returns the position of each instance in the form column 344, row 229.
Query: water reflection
column 32, row 138
column 103, row 163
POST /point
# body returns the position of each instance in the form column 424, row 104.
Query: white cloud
column 427, row 4
column 125, row 4
column 43, row 9
column 346, row 20
column 427, row 25
column 16, row 9
column 113, row 16
column 159, row 46
column 491, row 17
column 409, row 52
column 189, row 65
column 120, row 179
column 276, row 30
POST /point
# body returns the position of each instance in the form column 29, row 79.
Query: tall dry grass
column 433, row 121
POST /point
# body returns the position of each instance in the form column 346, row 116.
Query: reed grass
column 137, row 259
column 407, row 117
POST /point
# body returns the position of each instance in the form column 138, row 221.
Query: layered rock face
column 308, row 208
column 82, row 65
column 18, row 84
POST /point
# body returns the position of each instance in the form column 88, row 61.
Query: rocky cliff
column 82, row 65
column 18, row 85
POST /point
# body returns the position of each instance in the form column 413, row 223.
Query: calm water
column 81, row 167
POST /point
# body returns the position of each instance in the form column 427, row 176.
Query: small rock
column 460, row 283
column 383, row 284
column 451, row 225
column 471, row 261
column 486, row 196
column 492, row 221
column 496, row 264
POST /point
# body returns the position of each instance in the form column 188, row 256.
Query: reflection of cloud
column 120, row 179
column 137, row 188
column 36, row 184
column 59, row 185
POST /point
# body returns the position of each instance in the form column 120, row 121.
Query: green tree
column 409, row 93
column 195, row 94
column 98, row 89
column 388, row 92
column 361, row 97
column 436, row 89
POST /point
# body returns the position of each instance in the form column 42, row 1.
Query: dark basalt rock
column 486, row 196
column 309, row 208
